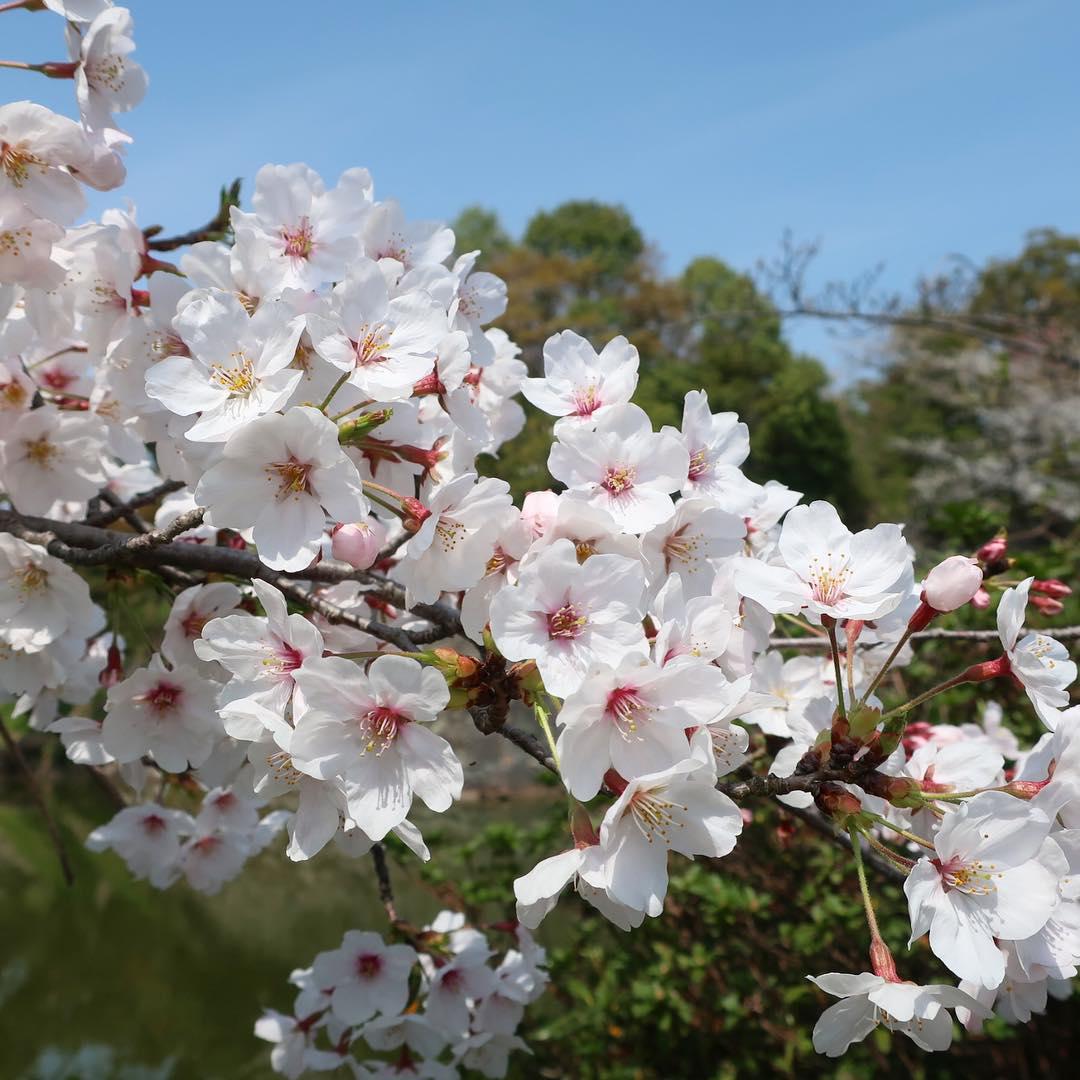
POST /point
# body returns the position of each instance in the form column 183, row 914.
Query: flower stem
column 830, row 627
column 913, row 837
column 875, row 682
column 864, row 885
column 898, row 860
column 900, row 710
column 545, row 725
column 333, row 390
column 14, row 5
column 350, row 410
column 18, row 65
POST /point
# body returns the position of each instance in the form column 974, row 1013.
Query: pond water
column 111, row 978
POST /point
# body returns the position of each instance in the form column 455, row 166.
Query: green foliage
column 587, row 229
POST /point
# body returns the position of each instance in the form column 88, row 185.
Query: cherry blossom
column 867, row 1000
column 580, row 385
column 983, row 883
column 371, row 731
column 281, row 476
column 826, row 570
column 567, row 615
column 168, row 714
column 622, row 466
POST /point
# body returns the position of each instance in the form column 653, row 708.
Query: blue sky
column 891, row 132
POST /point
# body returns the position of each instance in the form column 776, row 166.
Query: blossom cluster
column 428, row 1008
column 306, row 398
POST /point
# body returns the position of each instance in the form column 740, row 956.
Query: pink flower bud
column 1055, row 588
column 538, row 510
column 981, row 600
column 358, row 544
column 952, row 583
column 992, row 550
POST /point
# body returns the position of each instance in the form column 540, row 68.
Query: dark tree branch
column 217, row 228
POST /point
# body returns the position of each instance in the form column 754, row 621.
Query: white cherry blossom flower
column 37, row 150
column 452, row 548
column 48, row 456
column 262, row 653
column 300, row 235
column 690, row 543
column 281, row 476
column 147, row 838
column 717, row 445
column 386, row 345
column 633, row 718
column 622, row 466
column 984, row 882
column 366, row 975
column 239, row 367
column 167, row 714
column 1038, row 660
column 567, row 615
column 867, row 1000
column 371, row 731
column 826, row 570
column 191, row 611
column 677, row 809
column 41, row 598
column 107, row 80
column 580, row 385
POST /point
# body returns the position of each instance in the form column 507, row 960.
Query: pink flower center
column 625, row 707
column 380, row 726
column 163, row 697
column 368, row 965
column 699, row 465
column 973, row 877
column 452, row 981
column 653, row 816
column 619, row 479
column 828, row 583
column 298, row 240
column 153, row 824
column 58, row 379
column 289, row 659
column 566, row 623
column 225, row 801
column 586, row 401
column 206, row 845
column 370, row 346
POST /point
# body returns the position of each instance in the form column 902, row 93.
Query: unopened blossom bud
column 981, row 600
column 900, row 791
column 113, row 671
column 1046, row 605
column 354, row 430
column 453, row 665
column 952, row 583
column 538, row 511
column 1025, row 789
column 993, row 550
column 837, row 802
column 358, row 543
column 1055, row 588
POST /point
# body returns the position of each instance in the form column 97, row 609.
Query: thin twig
column 382, row 875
